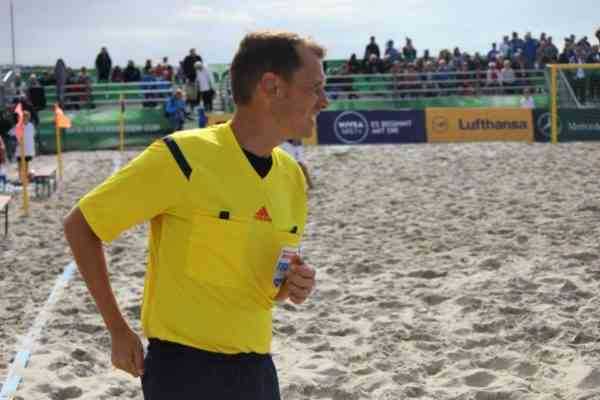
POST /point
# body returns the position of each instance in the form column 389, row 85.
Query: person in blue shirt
column 175, row 110
column 530, row 50
column 493, row 53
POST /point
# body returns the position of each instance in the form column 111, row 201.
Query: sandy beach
column 445, row 271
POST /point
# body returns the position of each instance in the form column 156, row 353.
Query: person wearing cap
column 227, row 210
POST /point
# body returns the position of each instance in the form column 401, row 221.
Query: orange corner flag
column 61, row 120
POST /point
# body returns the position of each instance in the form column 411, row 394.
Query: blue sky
column 141, row 29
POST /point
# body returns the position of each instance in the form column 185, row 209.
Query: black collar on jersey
column 262, row 165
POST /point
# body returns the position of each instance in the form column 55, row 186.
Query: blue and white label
column 283, row 264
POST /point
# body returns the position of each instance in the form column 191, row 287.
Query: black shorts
column 175, row 371
column 27, row 159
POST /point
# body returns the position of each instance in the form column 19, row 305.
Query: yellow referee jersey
column 217, row 229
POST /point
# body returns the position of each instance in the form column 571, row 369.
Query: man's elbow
column 75, row 226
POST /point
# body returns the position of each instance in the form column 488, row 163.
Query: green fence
column 99, row 129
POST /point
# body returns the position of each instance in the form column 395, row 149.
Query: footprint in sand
column 479, row 379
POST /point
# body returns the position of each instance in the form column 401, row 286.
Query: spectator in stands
column 516, row 43
column 530, row 47
column 28, row 143
column 60, row 73
column 131, row 73
column 442, row 76
column 467, row 84
column 374, row 65
column 206, row 85
column 372, row 48
column 594, row 56
column 493, row 53
column 551, row 51
column 457, row 59
column 579, row 81
column 175, row 110
column 507, row 77
column 36, row 93
column 505, row 48
column 391, row 54
column 85, row 87
column 354, row 65
column 72, row 91
column 527, row 101
column 492, row 77
column 117, row 74
column 103, row 65
column 408, row 51
column 164, row 70
column 147, row 70
column 568, row 52
column 429, row 81
column 188, row 65
column 585, row 45
column 426, row 56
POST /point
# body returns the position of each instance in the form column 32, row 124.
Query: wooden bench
column 4, row 201
column 45, row 181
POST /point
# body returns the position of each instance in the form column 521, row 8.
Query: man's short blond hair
column 266, row 51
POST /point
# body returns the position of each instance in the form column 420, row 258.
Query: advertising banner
column 479, row 124
column 371, row 127
column 574, row 124
column 99, row 129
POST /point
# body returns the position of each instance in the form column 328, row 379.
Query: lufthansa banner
column 371, row 127
column 479, row 124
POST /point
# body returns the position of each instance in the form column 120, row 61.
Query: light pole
column 12, row 32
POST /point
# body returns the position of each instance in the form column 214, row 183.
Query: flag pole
column 12, row 35
column 122, row 126
column 24, row 177
column 59, row 153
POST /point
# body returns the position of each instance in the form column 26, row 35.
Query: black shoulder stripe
column 178, row 156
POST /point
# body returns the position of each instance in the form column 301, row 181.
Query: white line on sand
column 20, row 361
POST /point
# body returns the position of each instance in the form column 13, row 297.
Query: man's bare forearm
column 89, row 255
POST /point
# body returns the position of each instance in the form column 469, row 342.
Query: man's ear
column 269, row 84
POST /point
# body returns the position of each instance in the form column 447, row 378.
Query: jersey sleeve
column 148, row 186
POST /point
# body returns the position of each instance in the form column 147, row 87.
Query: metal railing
column 81, row 94
column 396, row 86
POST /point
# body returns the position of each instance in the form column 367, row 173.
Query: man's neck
column 254, row 133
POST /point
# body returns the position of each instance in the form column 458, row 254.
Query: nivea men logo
column 488, row 124
column 351, row 127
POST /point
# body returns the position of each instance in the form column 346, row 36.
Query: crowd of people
column 74, row 87
column 509, row 65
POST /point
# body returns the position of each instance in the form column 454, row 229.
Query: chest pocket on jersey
column 216, row 252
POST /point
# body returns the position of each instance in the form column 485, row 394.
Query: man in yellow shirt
column 227, row 210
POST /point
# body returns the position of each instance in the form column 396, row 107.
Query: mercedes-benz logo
column 544, row 125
